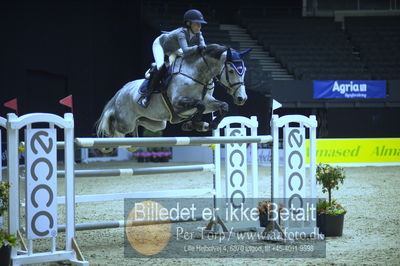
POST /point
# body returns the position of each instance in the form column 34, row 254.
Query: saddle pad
column 144, row 87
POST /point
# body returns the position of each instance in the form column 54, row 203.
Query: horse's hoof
column 187, row 126
column 213, row 126
column 202, row 127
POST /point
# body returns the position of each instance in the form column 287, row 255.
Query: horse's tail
column 105, row 124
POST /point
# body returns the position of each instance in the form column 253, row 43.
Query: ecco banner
column 236, row 167
column 294, row 171
column 349, row 89
column 41, row 179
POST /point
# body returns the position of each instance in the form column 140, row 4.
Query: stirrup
column 150, row 71
column 147, row 75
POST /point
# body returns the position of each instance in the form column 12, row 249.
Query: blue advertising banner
column 349, row 89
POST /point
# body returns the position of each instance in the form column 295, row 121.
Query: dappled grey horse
column 187, row 97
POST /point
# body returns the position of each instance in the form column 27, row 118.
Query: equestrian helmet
column 193, row 15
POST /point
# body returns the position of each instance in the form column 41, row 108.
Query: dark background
column 51, row 49
column 90, row 49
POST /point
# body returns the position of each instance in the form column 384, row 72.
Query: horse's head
column 232, row 75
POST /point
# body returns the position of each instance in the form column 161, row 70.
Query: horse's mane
column 212, row 50
column 215, row 50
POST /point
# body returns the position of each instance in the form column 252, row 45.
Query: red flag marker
column 67, row 101
column 12, row 104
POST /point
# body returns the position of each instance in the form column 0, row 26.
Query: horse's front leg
column 182, row 104
column 221, row 107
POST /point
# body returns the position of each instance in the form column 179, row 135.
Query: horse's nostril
column 240, row 99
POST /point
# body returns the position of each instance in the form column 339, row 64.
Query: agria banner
column 349, row 89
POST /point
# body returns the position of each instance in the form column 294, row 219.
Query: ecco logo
column 41, row 165
column 295, row 165
column 236, row 169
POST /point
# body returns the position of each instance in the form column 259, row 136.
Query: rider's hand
column 201, row 48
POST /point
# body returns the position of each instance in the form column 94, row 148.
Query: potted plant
column 6, row 240
column 330, row 214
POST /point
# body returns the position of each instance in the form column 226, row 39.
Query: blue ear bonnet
column 237, row 63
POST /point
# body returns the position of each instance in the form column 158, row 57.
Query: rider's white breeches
column 158, row 53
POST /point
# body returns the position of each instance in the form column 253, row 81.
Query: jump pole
column 142, row 171
column 142, row 194
column 167, row 141
column 123, row 223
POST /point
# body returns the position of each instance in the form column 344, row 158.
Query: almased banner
column 357, row 151
column 349, row 89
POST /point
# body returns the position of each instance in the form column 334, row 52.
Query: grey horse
column 187, row 97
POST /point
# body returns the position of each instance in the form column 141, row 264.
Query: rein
column 206, row 85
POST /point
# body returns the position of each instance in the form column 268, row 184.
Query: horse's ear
column 228, row 54
column 243, row 53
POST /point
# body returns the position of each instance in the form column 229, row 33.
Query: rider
column 188, row 38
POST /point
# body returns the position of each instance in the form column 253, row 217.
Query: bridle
column 231, row 86
column 217, row 78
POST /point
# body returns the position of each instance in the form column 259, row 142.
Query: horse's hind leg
column 123, row 125
column 151, row 124
column 119, row 127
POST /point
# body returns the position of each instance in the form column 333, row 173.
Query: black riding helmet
column 193, row 15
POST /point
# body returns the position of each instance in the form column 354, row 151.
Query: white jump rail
column 142, row 171
column 165, row 141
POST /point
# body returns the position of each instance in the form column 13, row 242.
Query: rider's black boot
column 155, row 81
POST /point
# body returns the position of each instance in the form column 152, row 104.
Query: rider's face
column 195, row 27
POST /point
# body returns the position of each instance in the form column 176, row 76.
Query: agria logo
column 346, row 87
